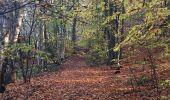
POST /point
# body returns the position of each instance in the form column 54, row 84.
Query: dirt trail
column 76, row 81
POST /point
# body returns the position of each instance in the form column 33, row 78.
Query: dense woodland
column 85, row 49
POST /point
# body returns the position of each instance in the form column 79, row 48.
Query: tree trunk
column 74, row 37
column 5, row 40
column 110, row 33
column 1, row 44
column 11, row 29
column 18, row 19
column 63, row 40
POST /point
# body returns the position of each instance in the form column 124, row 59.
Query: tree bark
column 7, row 18
column 110, row 32
column 74, row 37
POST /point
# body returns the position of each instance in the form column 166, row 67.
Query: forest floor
column 77, row 81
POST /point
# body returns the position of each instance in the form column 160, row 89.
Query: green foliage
column 52, row 50
column 165, row 84
column 13, row 51
column 164, row 98
column 143, row 80
column 150, row 32
column 96, row 57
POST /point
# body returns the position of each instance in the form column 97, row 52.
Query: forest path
column 74, row 81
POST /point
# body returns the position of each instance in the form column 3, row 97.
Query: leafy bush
column 138, row 81
column 13, row 52
column 166, row 84
column 96, row 57
column 143, row 80
column 164, row 98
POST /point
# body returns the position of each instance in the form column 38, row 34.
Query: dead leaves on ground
column 76, row 81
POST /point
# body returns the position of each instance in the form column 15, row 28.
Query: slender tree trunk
column 63, row 40
column 120, row 38
column 110, row 32
column 44, row 39
column 18, row 19
column 122, row 28
column 5, row 40
column 74, row 37
column 1, row 44
column 144, row 3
